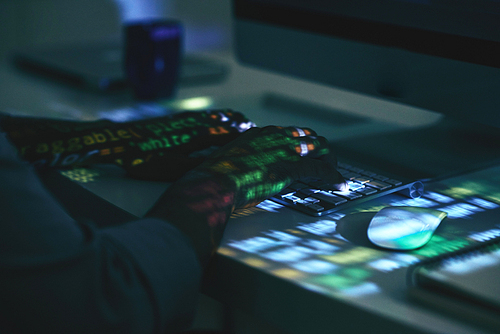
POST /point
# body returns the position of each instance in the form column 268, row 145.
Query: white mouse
column 404, row 228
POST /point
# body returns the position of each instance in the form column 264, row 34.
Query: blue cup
column 153, row 55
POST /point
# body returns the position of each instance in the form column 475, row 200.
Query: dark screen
column 461, row 30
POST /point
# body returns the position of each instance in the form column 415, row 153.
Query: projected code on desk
column 317, row 256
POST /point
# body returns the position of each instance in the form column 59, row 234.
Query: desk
column 265, row 289
column 319, row 275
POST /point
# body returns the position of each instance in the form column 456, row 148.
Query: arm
column 60, row 276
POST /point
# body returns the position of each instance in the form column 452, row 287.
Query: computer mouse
column 404, row 227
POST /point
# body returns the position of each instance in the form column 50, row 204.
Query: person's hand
column 191, row 141
column 258, row 164
column 264, row 161
column 161, row 148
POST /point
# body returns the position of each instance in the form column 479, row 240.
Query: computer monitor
column 438, row 55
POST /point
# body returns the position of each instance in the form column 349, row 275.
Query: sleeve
column 59, row 276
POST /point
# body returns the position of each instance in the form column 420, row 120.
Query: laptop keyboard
column 317, row 198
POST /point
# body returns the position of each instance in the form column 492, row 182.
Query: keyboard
column 317, row 198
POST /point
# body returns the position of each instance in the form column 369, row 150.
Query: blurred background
column 33, row 23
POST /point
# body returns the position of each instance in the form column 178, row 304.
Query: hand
column 156, row 149
column 213, row 129
column 264, row 161
column 258, row 164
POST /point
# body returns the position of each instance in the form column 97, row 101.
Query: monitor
column 439, row 55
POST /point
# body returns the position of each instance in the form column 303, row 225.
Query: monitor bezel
column 462, row 48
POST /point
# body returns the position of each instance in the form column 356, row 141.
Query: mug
column 153, row 56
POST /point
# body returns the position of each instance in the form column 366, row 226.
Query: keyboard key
column 304, row 201
column 350, row 175
column 380, row 177
column 350, row 195
column 378, row 184
column 353, row 186
column 292, row 198
column 367, row 191
column 330, row 187
column 285, row 192
column 361, row 179
column 310, row 200
column 286, row 201
column 307, row 192
column 307, row 201
column 394, row 182
column 315, row 207
column 329, row 198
